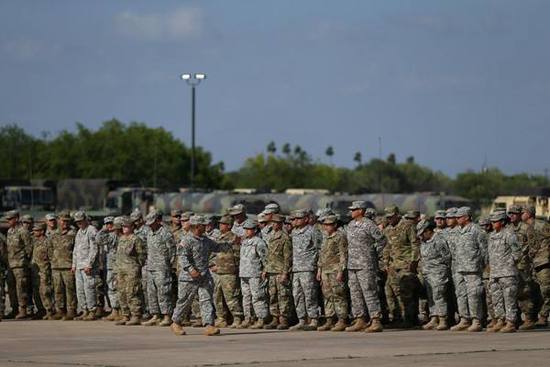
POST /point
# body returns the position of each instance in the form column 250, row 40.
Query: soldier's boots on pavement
column 341, row 325
column 220, row 323
column 177, row 329
column 542, row 321
column 92, row 316
column 312, row 326
column 58, row 315
column 528, row 324
column 245, row 324
column 283, row 323
column 443, row 325
column 211, row 330
column 48, row 315
column 134, row 321
column 491, row 324
column 273, row 324
column 497, row 326
column 510, row 327
column 329, row 324
column 358, row 325
column 464, row 324
column 259, row 324
column 154, row 321
column 476, row 326
column 99, row 312
column 81, row 316
column 236, row 323
column 69, row 316
column 166, row 321
column 299, row 326
column 122, row 321
column 22, row 314
column 113, row 316
column 434, row 322
column 375, row 326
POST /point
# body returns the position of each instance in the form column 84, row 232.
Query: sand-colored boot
column 92, row 316
column 375, row 326
column 528, row 324
column 464, row 324
column 273, row 324
column 113, row 316
column 312, row 326
column 210, row 330
column 329, row 324
column 154, row 321
column 166, row 321
column 69, row 316
column 443, row 325
column 134, row 321
column 283, row 323
column 58, row 315
column 358, row 325
column 434, row 321
column 177, row 329
column 475, row 327
column 22, row 314
column 510, row 327
column 245, row 324
column 220, row 323
column 341, row 325
column 258, row 324
column 237, row 321
column 81, row 317
column 48, row 315
column 122, row 321
column 499, row 324
column 299, row 326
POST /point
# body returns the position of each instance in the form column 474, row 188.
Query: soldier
column 269, row 210
column 107, row 240
column 305, row 254
column 27, row 223
column 459, row 284
column 41, row 270
column 436, row 269
column 61, row 257
column 19, row 255
column 193, row 254
column 253, row 253
column 401, row 260
column 226, row 268
column 141, row 230
column 161, row 252
column 3, row 270
column 84, row 266
column 195, row 307
column 277, row 273
column 365, row 246
column 211, row 230
column 471, row 254
column 333, row 260
column 238, row 212
column 538, row 238
column 503, row 251
column 51, row 221
column 485, row 224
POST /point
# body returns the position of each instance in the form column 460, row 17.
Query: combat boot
column 510, row 327
column 375, row 326
column 211, row 330
column 434, row 321
column 69, row 316
column 283, row 323
column 81, row 316
column 236, row 323
column 220, row 323
column 48, row 316
column 475, row 327
column 329, row 324
column 542, row 321
column 22, row 314
column 258, row 324
column 312, row 326
column 113, row 316
column 58, row 315
column 491, row 324
column 122, row 321
column 273, row 324
column 358, row 325
column 443, row 325
column 155, row 320
column 90, row 317
column 299, row 326
column 245, row 324
column 462, row 325
column 99, row 312
column 499, row 324
column 177, row 329
column 134, row 320
column 528, row 324
column 166, row 321
column 340, row 325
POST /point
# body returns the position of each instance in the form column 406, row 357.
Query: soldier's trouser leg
column 437, row 290
column 247, row 297
column 385, row 308
column 543, row 279
column 100, row 292
column 392, row 299
column 279, row 296
column 36, row 281
column 134, row 293
column 12, row 290
column 358, row 306
column 2, row 294
column 186, row 294
column 230, row 292
column 65, row 289
column 144, row 286
column 488, row 299
column 304, row 290
column 335, row 296
column 123, row 296
column 160, row 292
column 45, row 289
column 364, row 293
column 404, row 285
column 21, row 278
column 111, row 288
column 423, row 303
column 259, row 297
column 526, row 296
column 461, row 293
column 504, row 292
column 474, row 286
column 85, row 290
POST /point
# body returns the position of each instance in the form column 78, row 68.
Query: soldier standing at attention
column 485, row 224
column 332, row 264
column 365, row 246
column 3, row 270
column 19, row 255
column 238, row 212
column 61, row 257
column 277, row 273
column 85, row 266
column 40, row 265
column 51, row 222
column 108, row 241
column 141, row 230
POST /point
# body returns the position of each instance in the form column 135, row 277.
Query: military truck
column 540, row 202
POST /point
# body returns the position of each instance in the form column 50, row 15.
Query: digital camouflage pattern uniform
column 142, row 232
column 538, row 237
column 42, row 276
column 107, row 242
column 61, row 255
column 278, row 262
column 253, row 253
column 85, row 256
column 304, row 268
column 161, row 252
column 3, row 272
column 436, row 269
column 130, row 258
column 333, row 258
column 19, row 255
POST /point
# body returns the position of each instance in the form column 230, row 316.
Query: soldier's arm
column 483, row 243
column 343, row 248
column 287, row 255
column 170, row 243
column 94, row 250
column 261, row 249
column 27, row 241
column 415, row 244
column 380, row 240
column 512, row 241
column 140, row 251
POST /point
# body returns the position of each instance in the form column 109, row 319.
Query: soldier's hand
column 88, row 270
column 214, row 269
column 283, row 278
column 194, row 274
column 264, row 275
column 340, row 276
column 318, row 276
column 73, row 270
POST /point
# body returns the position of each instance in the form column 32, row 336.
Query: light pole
column 193, row 81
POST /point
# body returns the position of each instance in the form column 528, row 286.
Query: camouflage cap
column 151, row 217
column 262, row 218
column 515, row 209
column 483, row 221
column 210, row 218
column 451, row 213
column 109, row 219
column 237, row 209
column 27, row 218
column 277, row 218
column 497, row 216
column 440, row 214
column 330, row 219
column 117, row 222
column 50, row 216
column 359, row 204
column 127, row 222
column 79, row 216
column 176, row 213
column 370, row 213
column 463, row 211
column 272, row 208
column 391, row 210
column 531, row 210
column 39, row 226
column 226, row 219
column 298, row 214
column 65, row 216
column 288, row 219
column 186, row 216
column 412, row 214
column 11, row 214
column 423, row 226
column 135, row 216
column 197, row 220
column 323, row 212
column 249, row 224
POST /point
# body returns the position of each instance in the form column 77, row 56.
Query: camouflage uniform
column 333, row 259
column 252, row 259
column 142, row 232
column 107, row 242
column 459, row 282
column 41, row 274
column 304, row 262
column 19, row 254
column 487, row 282
column 161, row 252
column 238, row 229
column 3, row 272
column 504, row 252
column 279, row 261
column 130, row 257
column 538, row 237
column 61, row 255
column 226, row 286
column 365, row 246
column 402, row 251
column 85, row 256
column 436, row 268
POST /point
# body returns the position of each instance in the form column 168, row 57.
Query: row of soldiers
column 273, row 271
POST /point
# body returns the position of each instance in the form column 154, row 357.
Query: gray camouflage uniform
column 436, row 268
column 161, row 250
column 252, row 260
column 452, row 236
column 142, row 232
column 305, row 255
column 108, row 242
column 85, row 256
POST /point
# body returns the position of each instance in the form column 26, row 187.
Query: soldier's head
column 463, row 215
column 65, row 221
column 485, row 224
column 27, row 221
column 514, row 213
column 528, row 213
column 81, row 219
column 277, row 222
column 392, row 214
column 330, row 224
column 299, row 218
column 117, row 225
column 175, row 217
column 413, row 215
column 311, row 217
column 288, row 223
column 197, row 225
column 12, row 218
column 498, row 220
column 185, row 221
column 127, row 226
column 108, row 223
column 263, row 219
column 440, row 219
column 226, row 222
column 425, row 230
column 238, row 212
column 210, row 223
column 270, row 209
column 450, row 217
column 39, row 229
column 250, row 227
column 137, row 218
column 51, row 221
column 154, row 220
column 357, row 209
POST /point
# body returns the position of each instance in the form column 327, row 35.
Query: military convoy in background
column 539, row 201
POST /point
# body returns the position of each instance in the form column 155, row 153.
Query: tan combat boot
column 375, row 326
column 155, row 320
column 464, row 324
column 99, row 313
column 329, row 324
column 22, row 314
column 58, row 315
column 542, row 321
column 340, row 325
column 499, row 324
column 443, row 325
column 434, row 321
column 48, row 315
column 491, row 323
column 166, row 321
column 312, row 326
column 358, row 325
column 177, row 329
column 92, row 316
column 259, row 324
column 273, row 324
column 220, row 323
column 69, row 316
column 283, row 323
column 210, row 330
column 475, row 327
column 134, row 321
column 236, row 323
column 245, row 324
column 113, row 316
column 510, row 327
column 299, row 326
column 81, row 316
column 528, row 324
column 122, row 321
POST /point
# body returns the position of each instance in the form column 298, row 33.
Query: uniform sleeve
column 343, row 248
column 74, row 253
column 261, row 249
column 218, row 246
column 380, row 241
column 483, row 243
column 140, row 251
column 287, row 255
column 27, row 240
column 170, row 243
column 415, row 244
column 186, row 256
column 515, row 247
column 92, row 254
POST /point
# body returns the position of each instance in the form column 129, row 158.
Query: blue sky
column 451, row 82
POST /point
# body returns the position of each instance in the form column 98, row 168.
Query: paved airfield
column 58, row 343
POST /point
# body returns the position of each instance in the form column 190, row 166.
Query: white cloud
column 181, row 23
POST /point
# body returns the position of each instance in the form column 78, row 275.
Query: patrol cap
column 391, row 210
column 451, row 213
column 277, row 218
column 298, row 214
column 249, row 224
column 186, row 216
column 176, row 213
column 151, row 217
column 210, row 218
column 39, row 226
column 323, row 212
column 330, row 219
column 423, row 226
column 197, row 220
column 108, row 220
column 117, row 222
column 135, row 216
column 288, row 219
column 237, row 209
column 497, row 216
column 463, row 211
column 483, row 221
column 370, row 213
column 272, row 208
column 27, row 218
column 412, row 214
column 126, row 222
column 226, row 219
column 79, row 216
column 12, row 214
column 262, row 218
column 65, row 216
column 531, row 210
column 440, row 214
column 359, row 204
column 50, row 216
column 515, row 209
